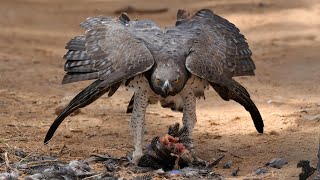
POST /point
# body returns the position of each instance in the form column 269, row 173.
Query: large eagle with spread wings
column 173, row 66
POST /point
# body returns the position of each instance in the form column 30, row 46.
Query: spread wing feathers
column 84, row 98
column 219, row 52
column 108, row 51
column 230, row 89
column 77, row 59
column 217, row 46
column 245, row 67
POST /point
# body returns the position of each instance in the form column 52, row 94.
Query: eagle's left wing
column 216, row 44
column 218, row 52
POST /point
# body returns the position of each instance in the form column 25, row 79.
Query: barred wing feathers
column 108, row 51
column 219, row 52
column 217, row 46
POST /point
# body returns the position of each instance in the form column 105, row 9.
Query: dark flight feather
column 84, row 98
column 219, row 52
column 216, row 45
column 236, row 92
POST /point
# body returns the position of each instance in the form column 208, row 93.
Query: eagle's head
column 168, row 78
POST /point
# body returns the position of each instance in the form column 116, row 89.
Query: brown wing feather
column 216, row 45
column 230, row 89
column 108, row 51
column 85, row 97
column 217, row 53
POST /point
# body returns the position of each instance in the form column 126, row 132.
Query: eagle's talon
column 136, row 157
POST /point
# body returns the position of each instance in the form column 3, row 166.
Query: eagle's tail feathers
column 84, row 98
column 239, row 94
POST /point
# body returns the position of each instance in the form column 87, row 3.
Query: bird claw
column 135, row 161
column 134, row 157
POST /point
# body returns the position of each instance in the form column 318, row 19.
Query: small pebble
column 312, row 117
column 261, row 171
column 227, row 165
column 235, row 172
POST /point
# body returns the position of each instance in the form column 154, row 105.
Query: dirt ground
column 283, row 35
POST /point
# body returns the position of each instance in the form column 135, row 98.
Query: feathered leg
column 137, row 123
column 189, row 118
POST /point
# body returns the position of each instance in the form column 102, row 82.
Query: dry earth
column 283, row 35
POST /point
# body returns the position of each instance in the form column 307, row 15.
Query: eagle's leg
column 189, row 118
column 137, row 123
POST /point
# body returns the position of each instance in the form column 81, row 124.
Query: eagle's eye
column 158, row 82
column 175, row 81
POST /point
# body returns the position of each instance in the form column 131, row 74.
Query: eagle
column 173, row 66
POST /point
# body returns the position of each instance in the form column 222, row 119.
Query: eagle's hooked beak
column 166, row 88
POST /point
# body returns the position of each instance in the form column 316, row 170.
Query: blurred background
column 284, row 37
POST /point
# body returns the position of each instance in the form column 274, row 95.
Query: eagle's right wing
column 111, row 51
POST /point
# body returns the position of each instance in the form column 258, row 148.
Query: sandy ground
column 284, row 37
